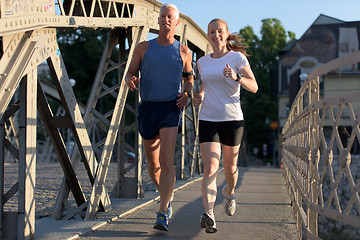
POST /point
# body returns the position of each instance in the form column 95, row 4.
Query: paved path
column 263, row 213
column 263, row 208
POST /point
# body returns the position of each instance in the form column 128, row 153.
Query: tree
column 260, row 108
column 81, row 51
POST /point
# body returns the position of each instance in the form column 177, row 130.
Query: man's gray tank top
column 161, row 72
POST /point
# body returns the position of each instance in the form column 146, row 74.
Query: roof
column 323, row 19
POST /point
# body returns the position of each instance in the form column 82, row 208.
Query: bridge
column 28, row 38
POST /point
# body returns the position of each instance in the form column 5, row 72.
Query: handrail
column 320, row 164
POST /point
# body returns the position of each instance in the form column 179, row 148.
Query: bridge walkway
column 263, row 212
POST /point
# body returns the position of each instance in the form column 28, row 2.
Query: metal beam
column 138, row 35
column 28, row 38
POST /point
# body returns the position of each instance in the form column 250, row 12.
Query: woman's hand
column 229, row 72
column 197, row 99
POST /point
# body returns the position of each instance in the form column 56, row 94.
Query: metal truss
column 28, row 38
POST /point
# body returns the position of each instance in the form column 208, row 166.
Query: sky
column 296, row 16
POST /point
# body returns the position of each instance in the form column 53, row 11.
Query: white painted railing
column 320, row 150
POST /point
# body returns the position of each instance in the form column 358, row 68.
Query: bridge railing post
column 319, row 145
column 314, row 157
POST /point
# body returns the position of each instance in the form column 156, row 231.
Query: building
column 326, row 39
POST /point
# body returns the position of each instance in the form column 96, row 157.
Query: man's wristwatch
column 188, row 93
column 238, row 77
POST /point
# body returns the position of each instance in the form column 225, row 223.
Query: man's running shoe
column 229, row 203
column 162, row 221
column 208, row 222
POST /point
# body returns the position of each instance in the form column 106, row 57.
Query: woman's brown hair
column 234, row 42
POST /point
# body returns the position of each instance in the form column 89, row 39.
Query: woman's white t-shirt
column 221, row 100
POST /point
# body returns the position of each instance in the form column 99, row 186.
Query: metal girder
column 188, row 150
column 2, row 166
column 27, row 156
column 46, row 151
column 138, row 35
column 28, row 38
column 92, row 14
column 99, row 90
column 22, row 223
column 12, row 65
column 79, row 129
column 128, row 184
column 59, row 146
column 21, row 53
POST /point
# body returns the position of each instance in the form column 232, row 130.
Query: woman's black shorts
column 229, row 133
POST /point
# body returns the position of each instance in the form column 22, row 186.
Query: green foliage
column 260, row 107
column 81, row 51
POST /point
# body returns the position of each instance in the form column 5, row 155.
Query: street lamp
column 72, row 82
column 302, row 77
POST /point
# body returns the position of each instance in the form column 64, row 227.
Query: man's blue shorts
column 152, row 116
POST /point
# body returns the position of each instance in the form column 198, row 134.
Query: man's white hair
column 170, row 5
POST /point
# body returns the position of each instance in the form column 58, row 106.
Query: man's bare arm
column 188, row 79
column 132, row 75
